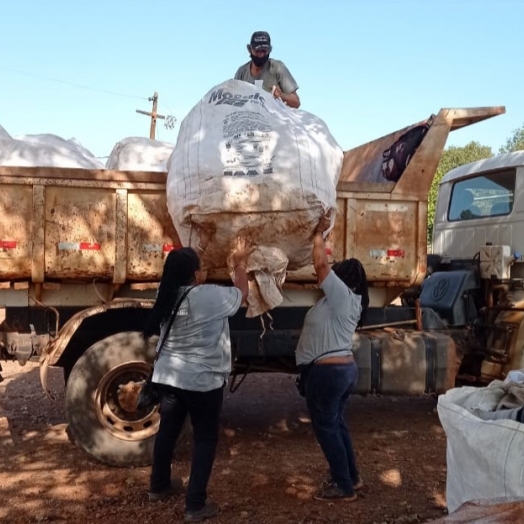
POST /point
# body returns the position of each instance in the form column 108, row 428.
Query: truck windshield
column 487, row 195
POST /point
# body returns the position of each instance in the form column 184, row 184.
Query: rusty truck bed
column 68, row 225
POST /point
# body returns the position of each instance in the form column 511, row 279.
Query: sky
column 80, row 69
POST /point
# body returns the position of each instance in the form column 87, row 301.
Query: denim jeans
column 204, row 411
column 328, row 387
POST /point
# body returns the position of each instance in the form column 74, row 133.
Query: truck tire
column 100, row 401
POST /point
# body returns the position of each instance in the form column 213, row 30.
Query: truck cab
column 478, row 283
column 481, row 204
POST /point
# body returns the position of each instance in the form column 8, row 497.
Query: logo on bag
column 234, row 99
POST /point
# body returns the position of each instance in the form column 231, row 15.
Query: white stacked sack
column 246, row 164
column 45, row 150
column 140, row 154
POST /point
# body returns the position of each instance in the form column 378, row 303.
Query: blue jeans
column 328, row 387
column 204, row 411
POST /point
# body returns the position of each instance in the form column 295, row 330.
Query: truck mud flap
column 405, row 362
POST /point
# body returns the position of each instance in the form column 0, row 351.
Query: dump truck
column 476, row 271
column 81, row 256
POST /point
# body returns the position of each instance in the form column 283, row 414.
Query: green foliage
column 514, row 142
column 451, row 158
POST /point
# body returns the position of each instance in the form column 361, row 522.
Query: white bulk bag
column 45, row 150
column 484, row 457
column 247, row 164
column 140, row 154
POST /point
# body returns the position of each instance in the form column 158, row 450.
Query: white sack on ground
column 484, row 457
column 486, row 512
column 140, row 154
column 245, row 163
column 46, row 150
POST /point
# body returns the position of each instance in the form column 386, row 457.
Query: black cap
column 260, row 40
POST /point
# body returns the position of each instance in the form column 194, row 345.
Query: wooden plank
column 51, row 286
column 80, row 231
column 365, row 187
column 144, row 286
column 471, row 115
column 350, row 212
column 416, row 179
column 149, row 229
column 38, row 251
column 97, row 184
column 120, row 271
column 363, row 163
column 69, row 173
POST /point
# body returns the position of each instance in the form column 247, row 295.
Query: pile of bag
column 45, row 150
column 485, row 439
column 494, row 511
column 140, row 154
column 245, row 164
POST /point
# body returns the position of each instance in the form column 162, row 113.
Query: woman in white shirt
column 192, row 370
column 324, row 356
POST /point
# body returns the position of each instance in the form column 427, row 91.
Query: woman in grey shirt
column 324, row 354
column 192, row 370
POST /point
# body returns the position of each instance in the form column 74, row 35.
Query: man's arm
column 291, row 99
column 287, row 87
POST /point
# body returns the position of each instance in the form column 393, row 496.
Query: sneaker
column 357, row 486
column 175, row 487
column 210, row 510
column 332, row 491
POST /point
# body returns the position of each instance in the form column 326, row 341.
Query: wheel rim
column 115, row 402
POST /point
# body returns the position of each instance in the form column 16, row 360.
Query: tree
column 514, row 142
column 451, row 158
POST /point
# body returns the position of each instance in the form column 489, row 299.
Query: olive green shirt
column 273, row 73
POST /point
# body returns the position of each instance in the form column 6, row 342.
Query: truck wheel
column 101, row 396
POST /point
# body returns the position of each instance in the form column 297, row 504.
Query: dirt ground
column 267, row 468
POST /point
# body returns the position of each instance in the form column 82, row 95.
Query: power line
column 43, row 77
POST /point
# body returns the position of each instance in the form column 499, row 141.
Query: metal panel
column 151, row 235
column 80, row 232
column 38, row 254
column 383, row 235
column 119, row 274
column 16, row 210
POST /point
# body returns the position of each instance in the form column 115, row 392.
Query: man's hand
column 277, row 92
column 291, row 99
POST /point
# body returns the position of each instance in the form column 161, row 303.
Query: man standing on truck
column 268, row 73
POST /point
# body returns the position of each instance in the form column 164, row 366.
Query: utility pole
column 153, row 114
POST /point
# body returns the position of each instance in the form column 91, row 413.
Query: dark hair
column 179, row 270
column 353, row 274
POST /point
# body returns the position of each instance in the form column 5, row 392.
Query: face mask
column 260, row 61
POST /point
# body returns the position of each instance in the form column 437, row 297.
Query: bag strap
column 170, row 322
